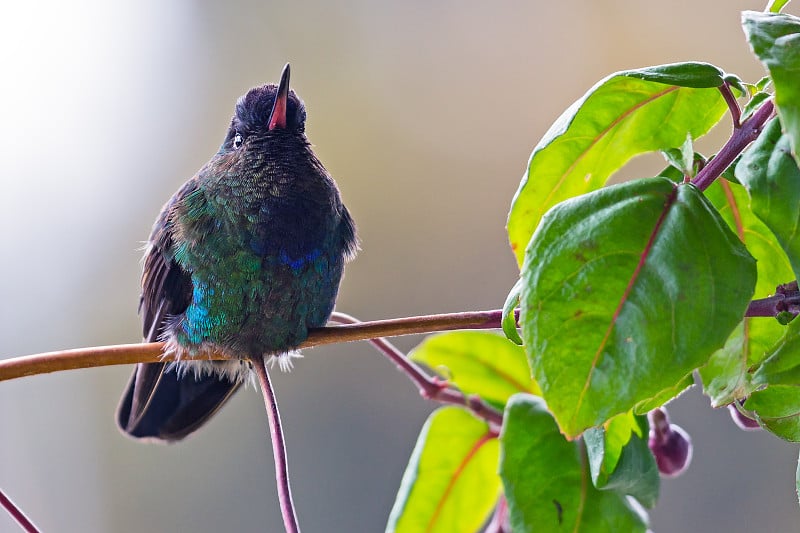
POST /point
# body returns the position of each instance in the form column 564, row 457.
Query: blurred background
column 426, row 113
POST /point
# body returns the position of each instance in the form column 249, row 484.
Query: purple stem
column 17, row 514
column 746, row 133
column 278, row 448
column 430, row 388
column 733, row 105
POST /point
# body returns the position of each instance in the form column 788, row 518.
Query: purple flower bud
column 743, row 421
column 670, row 444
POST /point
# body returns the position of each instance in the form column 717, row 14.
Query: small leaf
column 546, row 478
column 682, row 158
column 775, row 6
column 509, row 321
column 620, row 459
column 775, row 40
column 478, row 362
column 736, row 83
column 614, row 284
column 777, row 409
column 754, row 103
column 451, row 481
column 772, row 178
column 626, row 114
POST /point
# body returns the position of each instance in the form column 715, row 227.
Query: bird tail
column 163, row 404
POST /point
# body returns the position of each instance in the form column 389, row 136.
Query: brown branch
column 278, row 447
column 16, row 513
column 127, row 354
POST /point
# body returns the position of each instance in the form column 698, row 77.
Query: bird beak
column 277, row 118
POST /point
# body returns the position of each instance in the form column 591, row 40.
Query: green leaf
column 682, row 158
column 546, row 478
column 775, row 40
column 620, row 459
column 451, row 482
column 626, row 291
column 777, row 409
column 670, row 393
column 772, row 178
column 726, row 376
column 693, row 74
column 736, row 83
column 775, row 6
column 626, row 114
column 478, row 362
column 509, row 321
column 782, row 366
column 754, row 103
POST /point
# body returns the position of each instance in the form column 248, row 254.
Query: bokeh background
column 426, row 113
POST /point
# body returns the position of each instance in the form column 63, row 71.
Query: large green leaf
column 726, row 376
column 626, row 290
column 451, row 482
column 620, row 459
column 782, row 366
column 772, row 178
column 626, row 114
column 547, row 478
column 478, row 362
column 777, row 409
column 775, row 40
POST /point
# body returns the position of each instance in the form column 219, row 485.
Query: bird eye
column 238, row 140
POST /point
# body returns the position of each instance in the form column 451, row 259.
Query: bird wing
column 160, row 403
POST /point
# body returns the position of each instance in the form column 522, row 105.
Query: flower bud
column 670, row 444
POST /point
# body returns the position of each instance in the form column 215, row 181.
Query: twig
column 742, row 136
column 17, row 514
column 430, row 388
column 127, row 354
column 733, row 105
column 278, row 447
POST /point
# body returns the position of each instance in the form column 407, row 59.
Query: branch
column 430, row 388
column 742, row 136
column 278, row 447
column 733, row 105
column 785, row 300
column 17, row 514
column 128, row 354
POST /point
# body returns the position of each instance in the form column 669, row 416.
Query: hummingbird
column 243, row 259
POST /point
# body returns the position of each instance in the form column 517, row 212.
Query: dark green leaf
column 626, row 291
column 547, row 479
column 663, row 397
column 624, row 115
column 478, row 362
column 736, row 84
column 509, row 321
column 775, row 40
column 692, row 74
column 726, row 375
column 777, row 409
column 772, row 178
column 451, row 482
column 620, row 460
column 782, row 366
